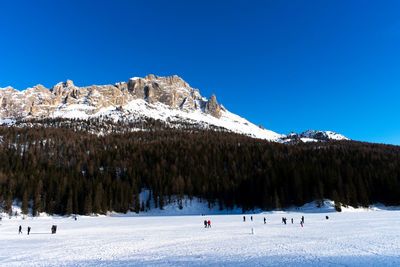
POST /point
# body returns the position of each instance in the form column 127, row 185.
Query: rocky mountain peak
column 171, row 91
column 66, row 84
column 169, row 99
column 3, row 90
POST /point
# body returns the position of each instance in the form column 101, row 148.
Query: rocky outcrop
column 40, row 102
column 171, row 91
column 212, row 107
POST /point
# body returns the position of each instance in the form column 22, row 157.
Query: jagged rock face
column 171, row 91
column 213, row 108
column 39, row 102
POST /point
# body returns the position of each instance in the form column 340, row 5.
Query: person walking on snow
column 292, row 220
column 244, row 218
column 302, row 219
column 20, row 229
column 265, row 220
column 209, row 223
column 205, row 224
column 251, row 218
column 29, row 229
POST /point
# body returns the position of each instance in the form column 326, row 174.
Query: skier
column 244, row 218
column 251, row 218
column 292, row 220
column 302, row 219
column 209, row 223
column 29, row 229
column 265, row 220
column 205, row 223
column 20, row 230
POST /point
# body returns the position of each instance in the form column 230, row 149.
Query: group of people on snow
column 244, row 218
column 207, row 223
column 284, row 220
column 53, row 229
column 20, row 229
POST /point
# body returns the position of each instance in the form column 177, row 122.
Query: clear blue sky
column 288, row 65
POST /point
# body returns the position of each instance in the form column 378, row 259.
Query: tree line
column 60, row 170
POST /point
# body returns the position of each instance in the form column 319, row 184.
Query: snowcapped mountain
column 168, row 99
column 311, row 136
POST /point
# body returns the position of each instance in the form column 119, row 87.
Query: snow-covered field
column 364, row 238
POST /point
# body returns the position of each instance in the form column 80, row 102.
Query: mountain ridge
column 161, row 98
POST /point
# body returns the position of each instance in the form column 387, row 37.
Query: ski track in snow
column 369, row 238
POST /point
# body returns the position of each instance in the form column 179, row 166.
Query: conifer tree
column 88, row 204
column 24, row 207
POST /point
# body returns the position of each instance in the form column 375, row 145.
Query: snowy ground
column 365, row 238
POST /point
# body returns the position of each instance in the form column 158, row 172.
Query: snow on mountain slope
column 141, row 109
